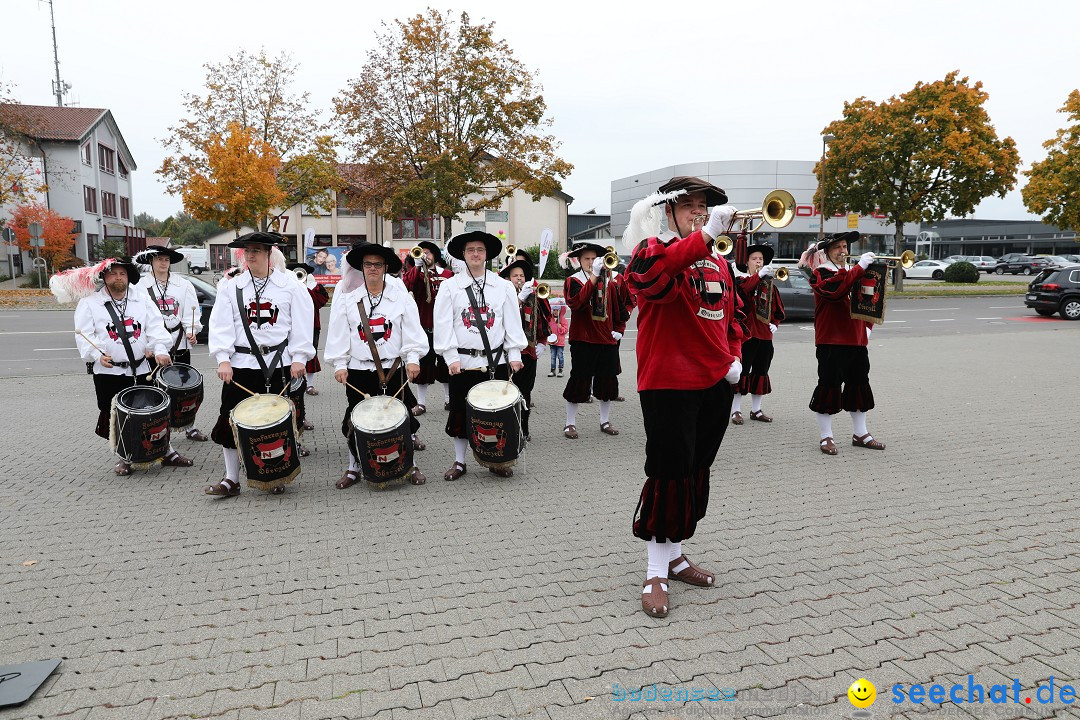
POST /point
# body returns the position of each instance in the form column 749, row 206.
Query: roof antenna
column 59, row 87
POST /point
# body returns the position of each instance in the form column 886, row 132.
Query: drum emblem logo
column 385, row 455
column 264, row 312
column 131, row 328
column 490, row 437
column 266, row 453
column 152, row 435
column 487, row 317
column 188, row 405
column 381, row 329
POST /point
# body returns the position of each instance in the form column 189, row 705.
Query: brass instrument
column 543, row 291
column 301, row 275
column 611, row 260
column 777, row 210
column 511, row 250
column 723, row 245
column 905, row 260
column 781, row 274
column 416, row 253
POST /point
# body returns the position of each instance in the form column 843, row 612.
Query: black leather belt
column 121, row 364
column 263, row 349
column 478, row 353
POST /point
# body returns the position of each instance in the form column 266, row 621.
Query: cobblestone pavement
column 953, row 552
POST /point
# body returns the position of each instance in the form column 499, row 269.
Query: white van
column 198, row 259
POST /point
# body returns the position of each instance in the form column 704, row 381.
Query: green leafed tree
column 1053, row 188
column 929, row 153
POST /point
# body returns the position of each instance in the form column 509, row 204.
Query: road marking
column 895, row 321
column 922, row 309
column 1006, row 307
column 993, row 318
column 943, row 320
column 37, row 332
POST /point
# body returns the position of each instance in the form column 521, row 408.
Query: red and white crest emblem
column 487, row 317
column 168, row 306
column 131, row 328
column 381, row 329
column 264, row 312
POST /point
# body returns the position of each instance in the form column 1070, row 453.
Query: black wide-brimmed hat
column 713, row 195
column 262, row 238
column 763, row 248
column 456, row 247
column 428, row 245
column 525, row 265
column 124, row 262
column 355, row 257
column 581, row 247
column 848, row 236
column 143, row 257
column 309, row 269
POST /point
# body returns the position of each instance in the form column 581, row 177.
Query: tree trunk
column 446, row 229
column 898, row 250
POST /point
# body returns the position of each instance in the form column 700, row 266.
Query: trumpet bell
column 611, row 260
column 416, row 253
column 511, row 250
column 543, row 291
column 301, row 275
column 778, row 208
column 781, row 274
column 723, row 245
column 907, row 259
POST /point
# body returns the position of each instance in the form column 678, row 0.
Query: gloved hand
column 866, row 259
column 597, row 265
column 772, row 328
column 540, row 350
column 734, row 372
column 719, row 219
column 525, row 293
column 766, row 271
column 419, row 262
column 616, row 335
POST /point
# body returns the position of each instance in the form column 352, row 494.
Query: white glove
column 866, row 259
column 419, row 262
column 597, row 265
column 540, row 350
column 525, row 293
column 734, row 372
column 772, row 328
column 616, row 335
column 719, row 220
column 766, row 271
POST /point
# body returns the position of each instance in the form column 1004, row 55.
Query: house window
column 86, row 157
column 410, row 228
column 123, row 169
column 89, row 199
column 125, row 208
column 348, row 205
column 108, row 204
column 107, row 159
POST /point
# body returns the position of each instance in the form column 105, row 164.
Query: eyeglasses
column 374, row 265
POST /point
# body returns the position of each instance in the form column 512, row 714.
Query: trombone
column 777, row 211
column 905, row 259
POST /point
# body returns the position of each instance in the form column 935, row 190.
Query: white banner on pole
column 546, row 236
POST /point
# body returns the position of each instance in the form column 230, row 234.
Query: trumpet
column 306, row 280
column 777, row 210
column 511, row 250
column 416, row 253
column 781, row 274
column 905, row 259
column 611, row 259
column 723, row 245
column 543, row 291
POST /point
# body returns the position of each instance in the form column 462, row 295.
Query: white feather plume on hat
column 646, row 218
column 77, row 283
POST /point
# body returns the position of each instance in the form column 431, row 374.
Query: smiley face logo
column 862, row 693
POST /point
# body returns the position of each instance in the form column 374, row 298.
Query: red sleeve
column 319, row 296
column 778, row 314
column 578, row 294
column 410, row 276
column 829, row 285
column 655, row 272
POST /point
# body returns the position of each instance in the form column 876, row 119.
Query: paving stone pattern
column 953, row 552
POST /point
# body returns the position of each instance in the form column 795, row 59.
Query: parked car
column 955, row 258
column 1060, row 260
column 207, row 294
column 982, row 263
column 796, row 294
column 1056, row 290
column 934, row 269
column 1017, row 263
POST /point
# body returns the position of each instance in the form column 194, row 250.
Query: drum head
column 261, row 411
column 493, row 395
column 179, row 375
column 377, row 414
column 141, row 398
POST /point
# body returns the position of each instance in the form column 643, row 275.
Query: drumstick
column 244, row 388
column 79, row 333
column 356, row 389
column 400, row 389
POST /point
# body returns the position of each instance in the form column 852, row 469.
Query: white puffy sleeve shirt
column 456, row 325
column 179, row 306
column 395, row 327
column 284, row 313
column 142, row 325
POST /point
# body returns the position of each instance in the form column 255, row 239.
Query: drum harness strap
column 374, row 350
column 179, row 329
column 258, row 350
column 492, row 361
column 121, row 330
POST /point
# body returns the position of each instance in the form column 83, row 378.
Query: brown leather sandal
column 827, row 446
column 570, row 432
column 608, row 429
column 350, row 478
column 655, row 602
column 419, row 410
column 196, row 435
column 123, row 468
column 760, row 416
column 502, row 472
column 861, row 441
column 736, row 418
column 224, row 488
column 416, row 477
column 692, row 575
column 418, row 444
column 175, row 459
column 280, row 489
column 456, row 470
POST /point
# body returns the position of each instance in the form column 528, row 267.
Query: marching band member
column 179, row 305
column 597, row 322
column 459, row 338
column 688, row 362
column 535, row 321
column 319, row 298
column 423, row 281
column 396, row 333
column 259, row 337
column 757, row 348
column 118, row 328
column 843, row 359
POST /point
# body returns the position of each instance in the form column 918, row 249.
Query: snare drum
column 264, row 428
column 493, row 410
column 382, row 431
column 184, row 385
column 139, row 431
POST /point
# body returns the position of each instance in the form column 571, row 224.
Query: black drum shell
column 141, row 424
column 184, row 385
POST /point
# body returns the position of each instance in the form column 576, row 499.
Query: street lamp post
column 825, row 140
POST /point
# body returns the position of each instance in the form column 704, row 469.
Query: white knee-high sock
column 605, row 411
column 659, row 553
column 858, row 422
column 232, row 464
column 755, row 402
column 571, row 413
column 354, row 462
column 824, row 423
column 736, row 404
column 675, row 554
column 310, row 378
column 460, row 446
column 421, row 394
column 445, row 393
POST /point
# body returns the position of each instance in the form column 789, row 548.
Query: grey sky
column 631, row 86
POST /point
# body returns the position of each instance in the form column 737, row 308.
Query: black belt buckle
column 265, row 349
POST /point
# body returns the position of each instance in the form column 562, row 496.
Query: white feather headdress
column 77, row 283
column 646, row 218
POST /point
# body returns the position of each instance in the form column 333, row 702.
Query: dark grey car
column 796, row 294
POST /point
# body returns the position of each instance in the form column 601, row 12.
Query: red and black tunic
column 757, row 348
column 843, row 360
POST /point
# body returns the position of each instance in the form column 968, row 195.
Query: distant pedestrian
column 560, row 328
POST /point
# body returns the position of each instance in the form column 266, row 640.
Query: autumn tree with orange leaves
column 928, row 153
column 442, row 119
column 56, row 229
column 1053, row 188
column 239, row 185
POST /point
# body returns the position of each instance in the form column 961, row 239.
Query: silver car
column 982, row 263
